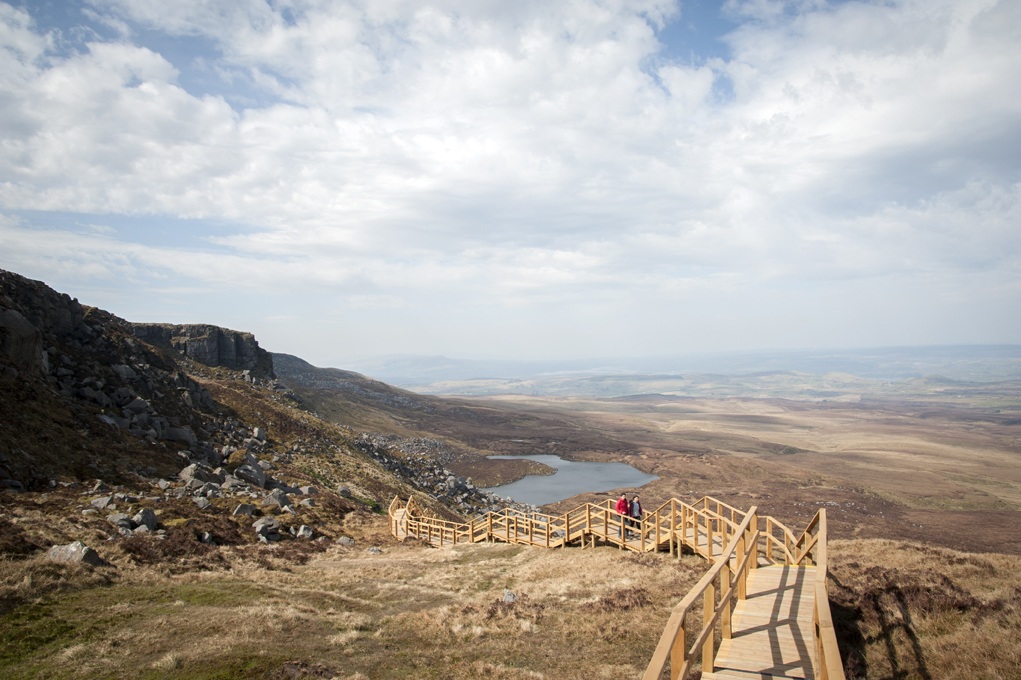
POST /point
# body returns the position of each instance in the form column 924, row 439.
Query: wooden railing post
column 708, row 609
column 678, row 653
column 673, row 527
column 725, row 587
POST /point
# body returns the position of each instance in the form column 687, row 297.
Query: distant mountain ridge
column 444, row 375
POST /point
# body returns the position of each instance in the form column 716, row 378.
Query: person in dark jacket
column 636, row 513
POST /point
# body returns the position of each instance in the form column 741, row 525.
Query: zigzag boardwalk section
column 763, row 601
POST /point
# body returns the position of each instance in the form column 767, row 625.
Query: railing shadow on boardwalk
column 736, row 543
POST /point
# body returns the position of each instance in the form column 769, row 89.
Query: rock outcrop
column 210, row 346
column 31, row 316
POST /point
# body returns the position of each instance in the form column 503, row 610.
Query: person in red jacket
column 623, row 508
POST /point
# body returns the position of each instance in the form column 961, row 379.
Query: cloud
column 514, row 154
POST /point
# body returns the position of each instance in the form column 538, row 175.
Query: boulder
column 244, row 509
column 267, row 529
column 305, row 532
column 345, row 540
column 251, row 474
column 119, row 519
column 147, row 518
column 102, row 503
column 199, row 472
column 74, row 553
column 277, row 498
column 180, row 434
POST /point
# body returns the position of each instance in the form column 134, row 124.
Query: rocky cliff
column 184, row 422
column 210, row 345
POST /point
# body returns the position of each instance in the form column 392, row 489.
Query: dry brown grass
column 412, row 611
column 906, row 610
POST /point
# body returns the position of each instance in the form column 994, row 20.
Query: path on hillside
column 764, row 594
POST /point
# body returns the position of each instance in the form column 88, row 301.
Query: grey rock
column 119, row 519
column 180, row 434
column 252, row 474
column 343, row 491
column 267, row 528
column 137, row 405
column 122, row 396
column 308, row 490
column 73, row 553
column 305, row 531
column 244, row 509
column 102, row 503
column 124, row 372
column 202, row 502
column 199, row 472
column 209, row 490
column 276, row 497
column 114, row 421
column 509, row 597
column 146, row 518
column 346, row 540
column 374, row 551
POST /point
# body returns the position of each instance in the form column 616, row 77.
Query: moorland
column 919, row 477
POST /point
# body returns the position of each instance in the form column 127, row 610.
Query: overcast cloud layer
column 521, row 179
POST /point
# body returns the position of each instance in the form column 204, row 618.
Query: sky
column 521, row 180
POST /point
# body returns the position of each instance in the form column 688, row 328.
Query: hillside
column 177, row 502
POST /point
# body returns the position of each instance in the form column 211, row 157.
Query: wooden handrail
column 672, row 643
column 827, row 656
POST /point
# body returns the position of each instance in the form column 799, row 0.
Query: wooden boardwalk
column 771, row 634
column 763, row 597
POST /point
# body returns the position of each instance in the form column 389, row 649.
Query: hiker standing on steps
column 636, row 514
column 623, row 509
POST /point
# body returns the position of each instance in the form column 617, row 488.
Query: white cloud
column 519, row 154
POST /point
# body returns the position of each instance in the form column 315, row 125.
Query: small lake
column 571, row 478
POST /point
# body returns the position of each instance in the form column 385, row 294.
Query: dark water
column 571, row 479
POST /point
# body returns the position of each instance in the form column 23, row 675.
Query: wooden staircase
column 763, row 598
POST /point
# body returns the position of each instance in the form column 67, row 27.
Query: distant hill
column 829, row 372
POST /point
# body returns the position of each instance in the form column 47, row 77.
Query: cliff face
column 210, row 346
column 33, row 318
